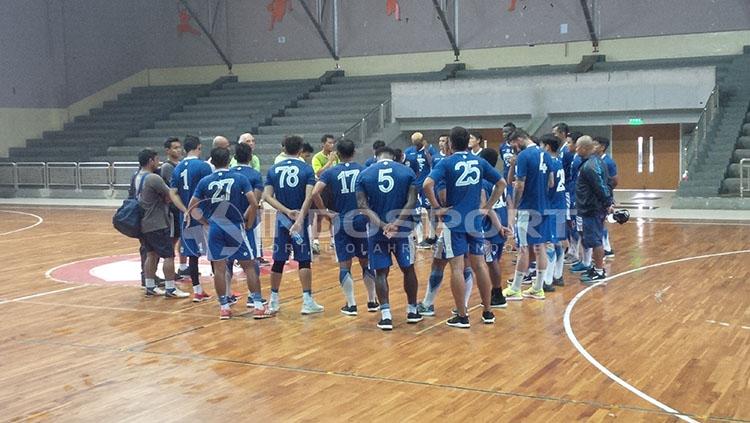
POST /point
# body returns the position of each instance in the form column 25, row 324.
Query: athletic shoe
column 533, row 293
column 426, row 310
column 175, row 293
column 570, row 259
column 225, row 314
column 548, row 288
column 558, row 281
column 528, row 279
column 263, row 313
column 178, row 277
column 311, row 308
column 488, row 317
column 424, row 245
column 232, row 299
column 511, row 294
column 414, row 318
column 316, row 248
column 459, row 322
column 609, row 254
column 593, row 277
column 263, row 261
column 184, row 273
column 274, row 305
column 385, row 324
column 431, row 241
column 159, row 281
column 578, row 267
column 199, row 298
column 251, row 304
column 349, row 310
column 498, row 300
column 373, row 306
column 155, row 291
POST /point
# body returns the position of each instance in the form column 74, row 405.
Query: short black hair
column 443, row 135
column 603, row 141
column 562, row 127
column 552, row 141
column 490, row 155
column 510, row 125
column 398, row 155
column 378, row 144
column 476, row 135
column 292, row 144
column 307, row 148
column 459, row 138
column 168, row 142
column 145, row 155
column 518, row 133
column 575, row 135
column 243, row 153
column 220, row 157
column 386, row 151
column 345, row 148
column 325, row 138
column 191, row 143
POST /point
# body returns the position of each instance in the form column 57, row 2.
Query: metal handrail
column 383, row 111
column 691, row 150
column 63, row 165
column 30, row 165
column 744, row 163
column 95, row 166
column 13, row 173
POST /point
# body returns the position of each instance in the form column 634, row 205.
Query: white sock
column 549, row 274
column 183, row 266
column 347, row 286
column 150, row 283
column 386, row 313
column 429, row 296
column 517, row 279
column 198, row 289
column 469, row 286
column 587, row 256
column 431, row 230
column 573, row 250
column 370, row 285
column 539, row 282
column 274, row 296
column 169, row 284
column 559, row 265
column 551, row 258
column 418, row 232
column 605, row 241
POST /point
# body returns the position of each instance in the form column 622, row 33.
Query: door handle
column 650, row 154
column 639, row 158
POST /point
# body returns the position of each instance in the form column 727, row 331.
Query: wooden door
column 647, row 156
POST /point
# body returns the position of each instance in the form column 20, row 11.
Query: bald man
column 219, row 142
column 249, row 139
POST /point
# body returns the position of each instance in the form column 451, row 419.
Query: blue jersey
column 501, row 210
column 462, row 174
column 186, row 176
column 386, row 185
column 289, row 179
column 506, row 153
column 532, row 165
column 417, row 161
column 575, row 166
column 437, row 158
column 567, row 159
column 370, row 161
column 611, row 167
column 256, row 181
column 223, row 194
column 557, row 192
column 341, row 180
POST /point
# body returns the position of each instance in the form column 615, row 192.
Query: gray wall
column 54, row 52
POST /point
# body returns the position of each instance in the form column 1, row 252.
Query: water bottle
column 297, row 238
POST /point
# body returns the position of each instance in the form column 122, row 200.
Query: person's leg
column 458, row 284
column 368, row 278
column 482, row 276
column 347, row 284
column 381, row 286
column 221, row 288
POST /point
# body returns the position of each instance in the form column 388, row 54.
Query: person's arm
column 429, row 192
column 191, row 208
column 297, row 226
column 512, row 179
column 364, row 208
column 252, row 209
column 160, row 187
column 406, row 211
column 318, row 199
column 177, row 200
column 270, row 198
column 597, row 177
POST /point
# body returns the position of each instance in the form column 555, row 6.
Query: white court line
column 38, row 221
column 41, row 294
column 597, row 364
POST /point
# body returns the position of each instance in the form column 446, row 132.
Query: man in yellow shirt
column 325, row 159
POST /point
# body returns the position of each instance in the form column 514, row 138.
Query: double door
column 647, row 156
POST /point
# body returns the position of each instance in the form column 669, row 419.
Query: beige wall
column 18, row 125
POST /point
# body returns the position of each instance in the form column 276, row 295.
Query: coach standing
column 593, row 200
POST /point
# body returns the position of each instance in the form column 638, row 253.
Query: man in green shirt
column 325, row 159
column 249, row 139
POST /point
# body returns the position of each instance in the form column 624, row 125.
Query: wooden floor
column 678, row 333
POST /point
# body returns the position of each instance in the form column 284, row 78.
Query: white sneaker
column 176, row 293
column 274, row 305
column 311, row 308
column 155, row 291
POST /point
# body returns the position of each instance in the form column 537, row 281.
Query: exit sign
column 635, row 121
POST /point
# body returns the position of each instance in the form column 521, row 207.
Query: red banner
column 185, row 27
column 278, row 9
column 392, row 9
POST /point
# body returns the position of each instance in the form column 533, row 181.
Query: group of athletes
column 550, row 201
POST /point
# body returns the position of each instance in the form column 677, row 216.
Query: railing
column 371, row 123
column 76, row 175
column 692, row 148
column 744, row 185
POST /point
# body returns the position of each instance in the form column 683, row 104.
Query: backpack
column 127, row 219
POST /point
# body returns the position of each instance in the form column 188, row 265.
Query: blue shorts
column 349, row 239
column 228, row 241
column 380, row 248
column 531, row 228
column 455, row 244
column 557, row 226
column 193, row 240
column 422, row 201
column 284, row 246
column 493, row 249
column 593, row 230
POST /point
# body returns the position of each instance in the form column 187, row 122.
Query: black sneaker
column 184, row 273
column 558, row 282
column 431, row 241
column 373, row 306
column 609, row 254
column 414, row 318
column 594, row 277
column 498, row 300
column 459, row 322
column 548, row 288
column 159, row 281
column 488, row 317
column 349, row 310
column 385, row 324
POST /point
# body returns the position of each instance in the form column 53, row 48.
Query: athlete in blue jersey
column 442, row 152
column 387, row 194
column 602, row 146
column 463, row 173
column 419, row 157
column 242, row 158
column 229, row 206
column 289, row 184
column 185, row 178
column 349, row 225
column 556, row 215
column 530, row 192
column 378, row 144
column 508, row 156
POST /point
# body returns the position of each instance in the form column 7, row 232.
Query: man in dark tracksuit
column 593, row 200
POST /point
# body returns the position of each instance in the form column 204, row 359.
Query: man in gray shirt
column 156, row 225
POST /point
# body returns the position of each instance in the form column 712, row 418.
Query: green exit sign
column 635, row 121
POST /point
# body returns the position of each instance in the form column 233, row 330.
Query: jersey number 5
column 385, row 180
